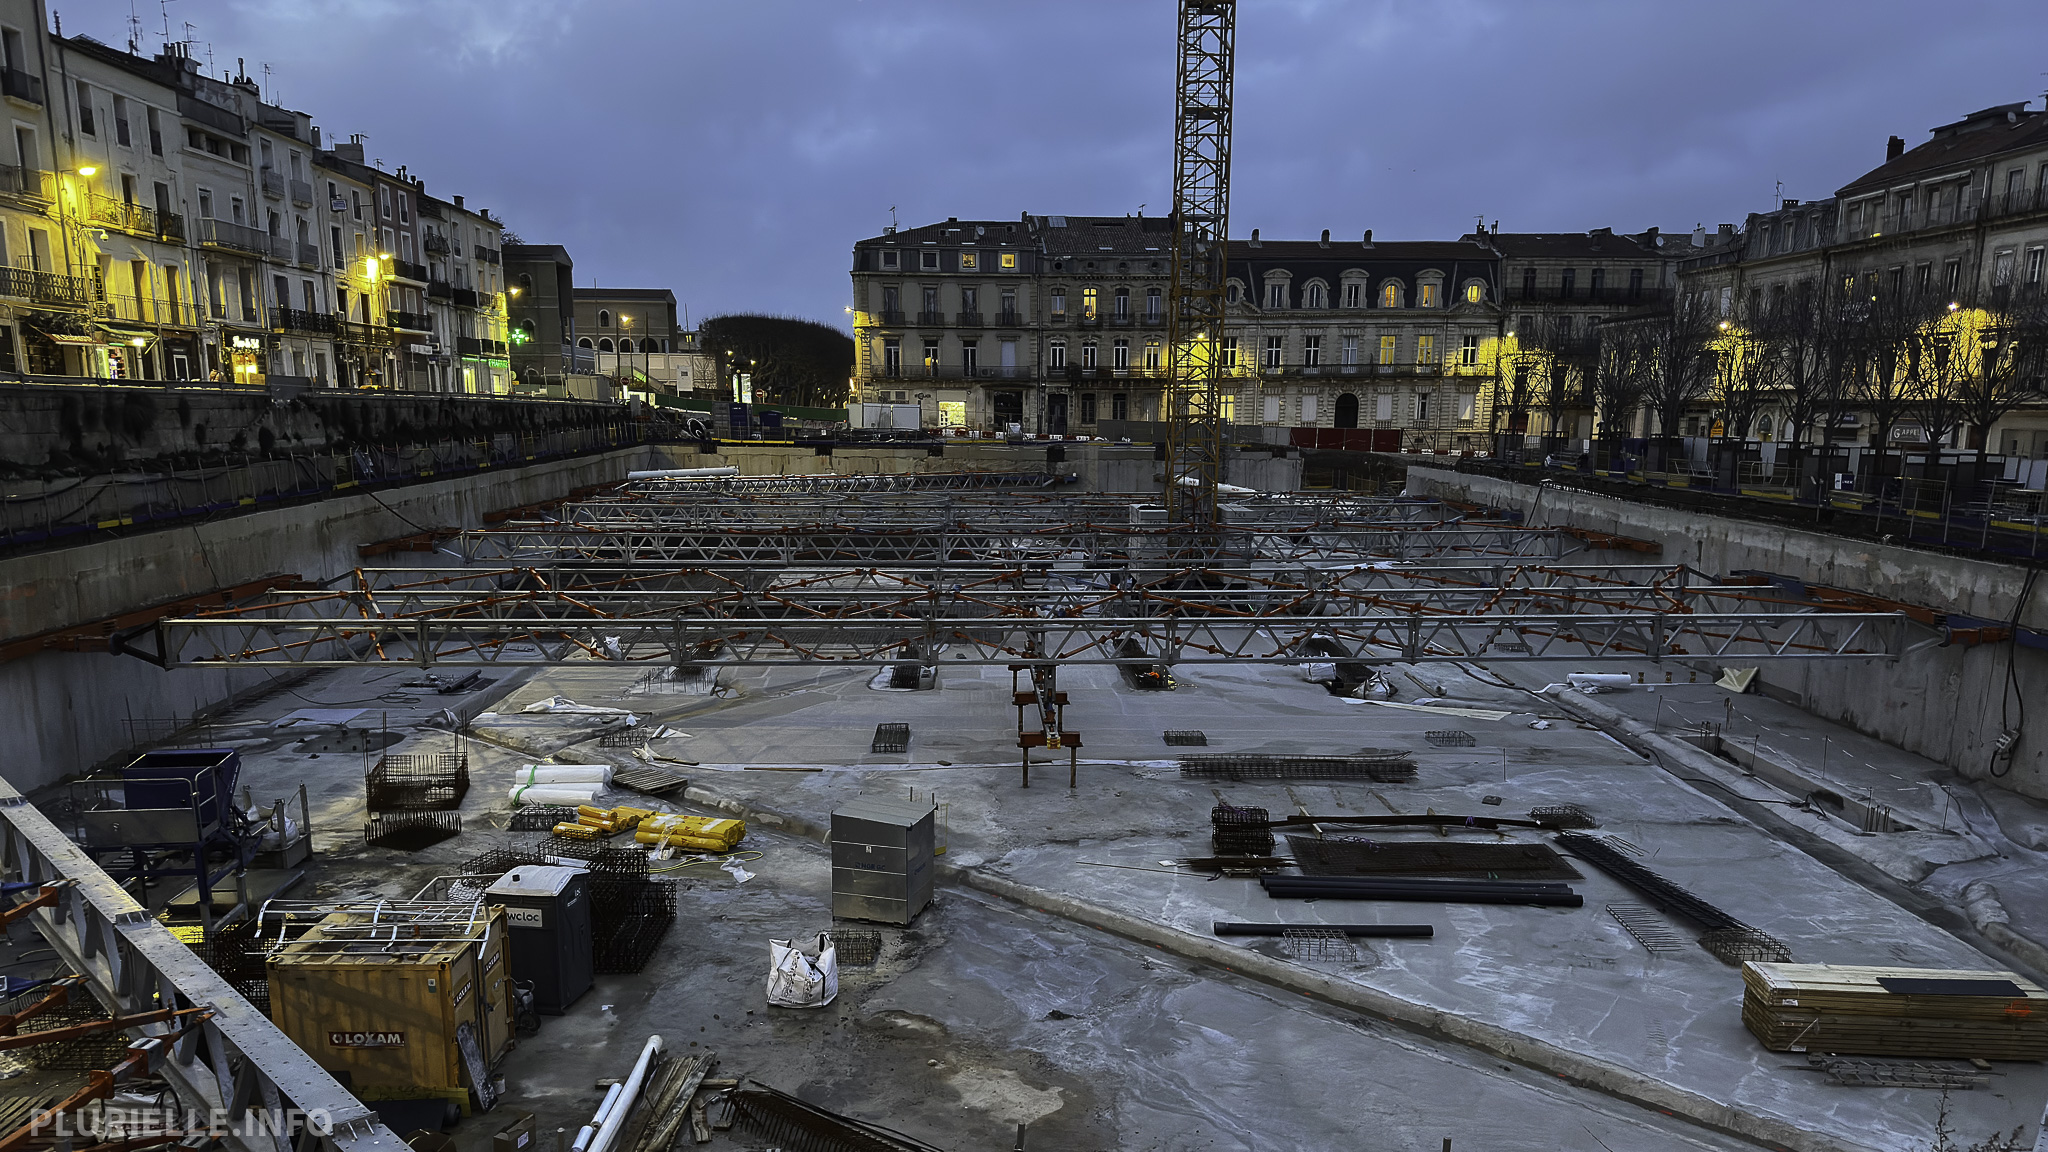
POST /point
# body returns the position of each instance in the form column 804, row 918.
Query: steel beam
column 134, row 965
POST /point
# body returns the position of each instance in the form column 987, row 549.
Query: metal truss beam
column 981, row 542
column 1195, row 421
column 743, row 614
column 236, row 1068
column 879, row 482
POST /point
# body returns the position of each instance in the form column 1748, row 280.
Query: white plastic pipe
column 1221, row 488
column 1599, row 679
column 683, row 473
column 563, row 774
column 611, row 1115
column 556, row 795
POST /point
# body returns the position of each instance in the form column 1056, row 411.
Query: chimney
column 1368, row 237
column 888, row 229
column 1325, row 241
column 458, row 201
column 1699, row 236
column 1727, row 230
column 1255, row 237
column 1894, row 147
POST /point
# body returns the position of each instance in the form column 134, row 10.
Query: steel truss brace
column 226, row 1062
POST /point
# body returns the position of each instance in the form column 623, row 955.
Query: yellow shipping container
column 385, row 1012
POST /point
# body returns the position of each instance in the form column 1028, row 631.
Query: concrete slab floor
column 1158, row 1052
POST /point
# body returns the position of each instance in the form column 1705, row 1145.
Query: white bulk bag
column 563, row 774
column 797, row 981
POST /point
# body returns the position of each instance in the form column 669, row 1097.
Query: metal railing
column 133, row 309
column 33, row 183
column 272, row 183
column 300, row 320
column 488, row 255
column 21, row 85
column 407, row 270
column 435, row 242
column 464, row 297
column 302, row 193
column 967, row 319
column 440, row 290
column 931, row 319
column 891, row 317
column 410, row 321
column 309, row 255
column 47, row 287
column 1009, row 320
column 240, row 237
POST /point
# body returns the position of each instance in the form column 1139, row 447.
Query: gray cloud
column 734, row 152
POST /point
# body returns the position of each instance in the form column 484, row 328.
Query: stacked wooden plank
column 1910, row 1012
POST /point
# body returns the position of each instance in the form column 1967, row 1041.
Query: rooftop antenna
column 134, row 30
column 1781, row 193
column 268, row 93
column 892, row 216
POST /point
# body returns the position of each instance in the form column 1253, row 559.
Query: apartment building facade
column 633, row 335
column 161, row 223
column 1958, row 223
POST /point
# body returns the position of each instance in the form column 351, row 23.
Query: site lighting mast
column 1201, row 227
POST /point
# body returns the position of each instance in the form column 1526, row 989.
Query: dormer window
column 1318, row 297
column 1426, row 296
column 1276, row 295
column 1390, row 295
column 928, row 261
column 889, row 258
column 970, row 261
column 1475, row 293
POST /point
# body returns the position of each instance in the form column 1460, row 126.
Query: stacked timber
column 1908, row 1012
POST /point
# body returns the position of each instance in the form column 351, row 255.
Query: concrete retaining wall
column 1941, row 703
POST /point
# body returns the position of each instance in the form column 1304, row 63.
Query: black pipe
column 1546, row 886
column 1534, row 899
column 1226, row 928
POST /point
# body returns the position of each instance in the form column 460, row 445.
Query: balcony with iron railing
column 478, row 346
column 931, row 319
column 410, row 321
column 21, row 85
column 487, row 255
column 954, row 372
column 1122, row 320
column 1009, row 320
column 133, row 309
column 2017, row 202
column 30, row 184
column 134, row 218
column 281, row 248
column 272, row 182
column 967, row 319
column 1153, row 320
column 463, row 298
column 440, row 290
column 238, row 237
column 300, row 320
column 302, row 193
column 47, row 287
column 309, row 255
column 890, row 317
column 407, row 270
column 435, row 242
column 364, row 335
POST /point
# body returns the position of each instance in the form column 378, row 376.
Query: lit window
column 1425, row 349
column 1387, row 349
column 1474, row 293
column 1089, row 299
column 1059, row 303
column 1008, row 261
column 1152, row 355
column 969, row 261
column 1390, row 296
column 1428, row 296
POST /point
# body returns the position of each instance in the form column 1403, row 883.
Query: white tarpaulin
column 797, row 981
column 1737, row 680
column 564, row 704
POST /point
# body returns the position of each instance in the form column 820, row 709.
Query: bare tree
column 1882, row 342
column 1678, row 372
column 2003, row 352
column 1619, row 383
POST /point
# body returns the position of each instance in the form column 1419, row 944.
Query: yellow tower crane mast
column 1196, row 423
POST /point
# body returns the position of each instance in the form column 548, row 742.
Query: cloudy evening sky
column 734, row 151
